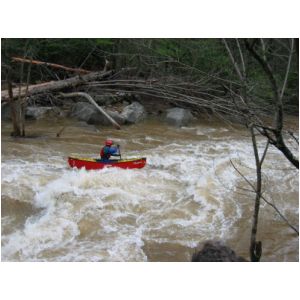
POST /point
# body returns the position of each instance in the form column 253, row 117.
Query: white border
column 149, row 281
column 138, row 18
column 145, row 18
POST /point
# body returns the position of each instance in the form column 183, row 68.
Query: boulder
column 87, row 112
column 133, row 113
column 178, row 116
column 215, row 251
column 38, row 112
column 99, row 119
column 83, row 111
column 33, row 112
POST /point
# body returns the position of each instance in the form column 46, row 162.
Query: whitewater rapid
column 188, row 192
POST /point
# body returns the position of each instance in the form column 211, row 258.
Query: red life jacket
column 103, row 155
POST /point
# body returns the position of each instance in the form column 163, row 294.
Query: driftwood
column 55, row 66
column 53, row 86
column 60, row 132
column 91, row 100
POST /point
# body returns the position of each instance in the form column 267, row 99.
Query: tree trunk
column 53, row 86
column 256, row 247
column 13, row 111
column 14, row 107
column 277, row 98
column 56, row 66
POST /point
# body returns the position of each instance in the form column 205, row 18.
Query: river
column 187, row 193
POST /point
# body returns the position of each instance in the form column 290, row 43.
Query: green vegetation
column 189, row 59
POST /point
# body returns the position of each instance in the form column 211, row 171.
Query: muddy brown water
column 187, row 193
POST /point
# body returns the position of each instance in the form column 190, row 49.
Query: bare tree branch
column 264, row 198
column 287, row 69
column 235, row 64
column 294, row 137
column 264, row 154
column 242, row 58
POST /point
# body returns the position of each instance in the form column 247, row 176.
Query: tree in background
column 265, row 53
column 18, row 106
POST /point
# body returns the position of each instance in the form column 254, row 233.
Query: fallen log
column 55, row 66
column 53, row 86
column 91, row 100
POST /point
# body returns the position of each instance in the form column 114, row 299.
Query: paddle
column 118, row 146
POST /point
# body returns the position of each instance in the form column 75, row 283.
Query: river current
column 188, row 192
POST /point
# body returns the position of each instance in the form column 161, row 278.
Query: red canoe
column 95, row 164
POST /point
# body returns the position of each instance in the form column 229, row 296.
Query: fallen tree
column 46, row 64
column 53, row 86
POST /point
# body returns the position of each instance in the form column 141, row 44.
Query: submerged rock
column 215, row 251
column 178, row 116
column 133, row 113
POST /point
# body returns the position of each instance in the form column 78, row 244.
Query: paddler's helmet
column 108, row 142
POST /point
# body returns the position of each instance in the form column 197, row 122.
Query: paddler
column 108, row 150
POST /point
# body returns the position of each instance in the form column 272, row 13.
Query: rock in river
column 134, row 113
column 99, row 119
column 87, row 112
column 33, row 112
column 38, row 112
column 178, row 116
column 83, row 111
